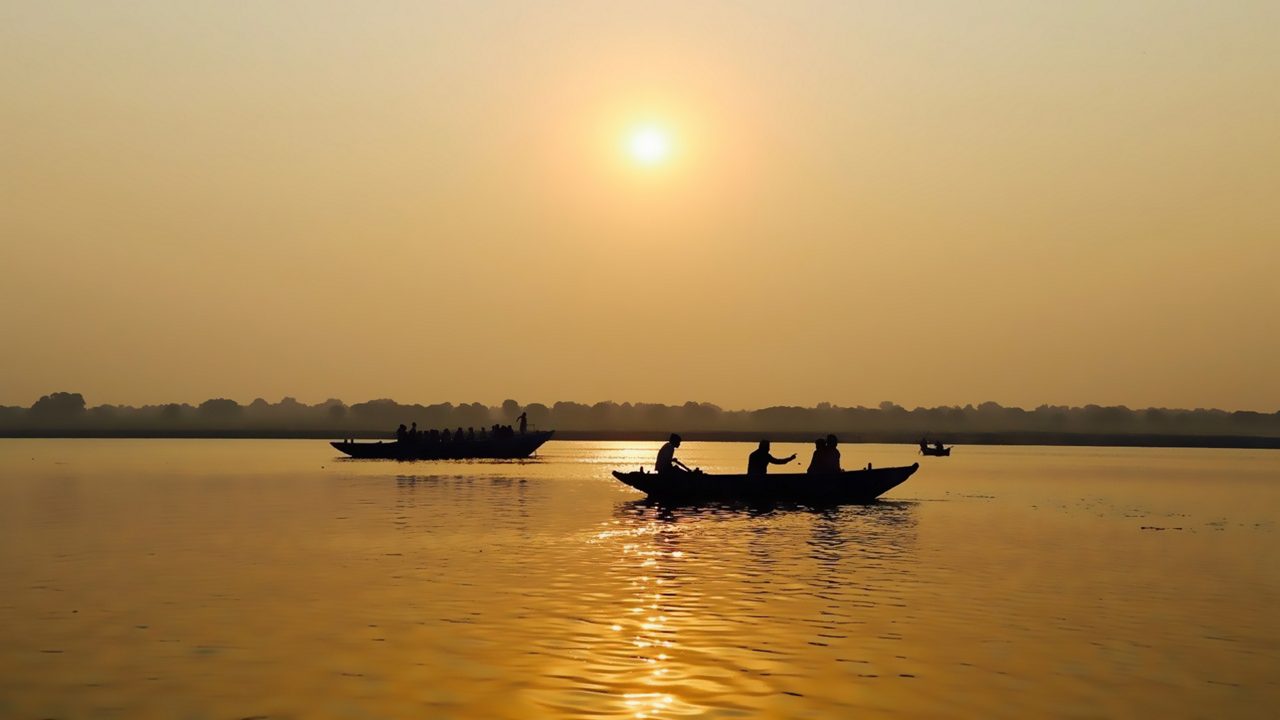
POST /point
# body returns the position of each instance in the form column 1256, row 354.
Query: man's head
column 831, row 441
column 675, row 440
column 820, row 443
column 764, row 445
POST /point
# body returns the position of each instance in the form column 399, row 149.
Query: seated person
column 759, row 461
column 833, row 456
column 667, row 462
column 819, row 459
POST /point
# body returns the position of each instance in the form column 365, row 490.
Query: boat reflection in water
column 727, row 602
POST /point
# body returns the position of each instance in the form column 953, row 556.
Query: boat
column 936, row 451
column 849, row 486
column 511, row 447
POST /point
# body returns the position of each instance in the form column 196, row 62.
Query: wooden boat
column 936, row 452
column 507, row 448
column 850, row 486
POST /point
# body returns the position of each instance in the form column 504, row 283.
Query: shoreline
column 1241, row 442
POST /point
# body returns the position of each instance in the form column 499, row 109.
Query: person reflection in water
column 667, row 462
column 759, row 461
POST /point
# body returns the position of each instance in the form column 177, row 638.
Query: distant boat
column 936, row 451
column 850, row 486
column 505, row 448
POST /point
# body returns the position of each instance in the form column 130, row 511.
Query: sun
column 649, row 145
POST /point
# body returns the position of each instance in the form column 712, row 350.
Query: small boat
column 506, row 448
column 850, row 486
column 936, row 451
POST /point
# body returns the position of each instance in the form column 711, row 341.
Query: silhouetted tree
column 219, row 408
column 59, row 405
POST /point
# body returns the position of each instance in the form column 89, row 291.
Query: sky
column 746, row 203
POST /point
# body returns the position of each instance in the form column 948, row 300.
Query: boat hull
column 851, row 486
column 934, row 452
column 508, row 448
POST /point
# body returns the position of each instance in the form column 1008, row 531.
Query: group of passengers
column 826, row 458
column 412, row 435
column 925, row 447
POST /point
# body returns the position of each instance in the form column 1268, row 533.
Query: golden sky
column 930, row 202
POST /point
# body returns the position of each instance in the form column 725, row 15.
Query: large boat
column 511, row 447
column 850, row 486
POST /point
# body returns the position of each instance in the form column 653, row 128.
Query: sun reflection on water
column 648, row 563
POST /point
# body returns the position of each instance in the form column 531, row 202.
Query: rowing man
column 667, row 462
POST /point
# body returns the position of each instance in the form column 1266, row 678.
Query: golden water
column 235, row 579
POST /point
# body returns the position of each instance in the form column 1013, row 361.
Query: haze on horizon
column 742, row 203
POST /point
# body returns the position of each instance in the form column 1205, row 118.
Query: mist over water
column 243, row 578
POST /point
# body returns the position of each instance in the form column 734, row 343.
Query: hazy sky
column 928, row 202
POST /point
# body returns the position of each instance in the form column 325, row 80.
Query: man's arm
column 782, row 461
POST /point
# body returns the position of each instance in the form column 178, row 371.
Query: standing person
column 667, row 462
column 524, row 422
column 759, row 461
column 402, row 433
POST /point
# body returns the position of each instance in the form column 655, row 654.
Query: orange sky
column 932, row 203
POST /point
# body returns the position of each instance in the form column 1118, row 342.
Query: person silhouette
column 667, row 462
column 833, row 455
column 402, row 433
column 758, row 462
column 524, row 422
column 819, row 458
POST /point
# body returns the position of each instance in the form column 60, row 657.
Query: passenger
column 937, row 445
column 759, row 461
column 446, row 435
column 833, row 455
column 924, row 445
column 524, row 422
column 484, row 434
column 413, row 433
column 459, row 436
column 819, row 458
column 471, row 434
column 667, row 462
column 402, row 433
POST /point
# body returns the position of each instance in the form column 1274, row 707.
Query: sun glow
column 649, row 145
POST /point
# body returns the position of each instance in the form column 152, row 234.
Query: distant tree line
column 68, row 413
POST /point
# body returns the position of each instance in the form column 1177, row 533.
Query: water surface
column 242, row 578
